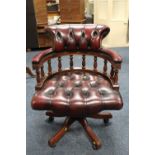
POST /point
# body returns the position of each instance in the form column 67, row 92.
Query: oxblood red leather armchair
column 77, row 93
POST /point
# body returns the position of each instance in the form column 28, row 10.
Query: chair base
column 95, row 141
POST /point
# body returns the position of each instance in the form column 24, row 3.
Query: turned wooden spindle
column 83, row 62
column 112, row 73
column 95, row 63
column 42, row 72
column 71, row 61
column 105, row 67
column 116, row 76
column 38, row 75
column 59, row 64
column 28, row 71
column 49, row 67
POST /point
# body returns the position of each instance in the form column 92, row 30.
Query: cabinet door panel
column 113, row 13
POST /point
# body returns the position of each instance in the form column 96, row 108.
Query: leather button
column 85, row 92
column 95, row 33
column 94, row 84
column 59, row 35
column 50, row 92
column 68, row 93
column 61, row 84
column 77, row 83
column 85, row 77
column 102, row 92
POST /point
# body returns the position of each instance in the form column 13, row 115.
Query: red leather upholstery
column 42, row 54
column 114, row 55
column 77, row 95
column 71, row 94
column 78, row 36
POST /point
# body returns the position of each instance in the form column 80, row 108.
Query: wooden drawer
column 40, row 11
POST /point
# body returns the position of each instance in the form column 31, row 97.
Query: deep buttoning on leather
column 61, row 84
column 50, row 92
column 86, row 77
column 83, row 84
column 68, row 93
column 85, row 92
column 77, row 83
column 103, row 92
column 73, row 37
column 94, row 83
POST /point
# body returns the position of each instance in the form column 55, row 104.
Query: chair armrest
column 37, row 59
column 115, row 60
column 114, row 56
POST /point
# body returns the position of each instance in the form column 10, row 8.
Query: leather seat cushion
column 77, row 95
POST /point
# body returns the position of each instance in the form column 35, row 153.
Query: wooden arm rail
column 112, row 56
column 107, row 55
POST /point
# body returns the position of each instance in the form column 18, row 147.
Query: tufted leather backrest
column 77, row 36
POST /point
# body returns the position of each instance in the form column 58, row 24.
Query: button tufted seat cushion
column 77, row 95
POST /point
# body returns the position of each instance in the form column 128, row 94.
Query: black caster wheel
column 94, row 146
column 50, row 119
column 106, row 121
column 51, row 145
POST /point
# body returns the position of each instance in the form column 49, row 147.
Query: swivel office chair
column 77, row 92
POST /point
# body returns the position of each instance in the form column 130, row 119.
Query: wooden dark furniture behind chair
column 72, row 11
column 31, row 31
column 77, row 93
